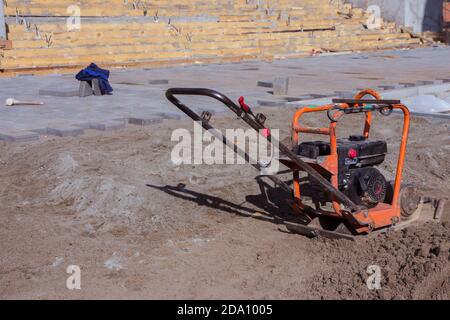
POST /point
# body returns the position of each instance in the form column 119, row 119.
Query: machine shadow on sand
column 271, row 205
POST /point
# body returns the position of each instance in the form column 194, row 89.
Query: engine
column 358, row 177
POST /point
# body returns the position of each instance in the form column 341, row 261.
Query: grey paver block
column 345, row 94
column 157, row 82
column 281, row 86
column 65, row 131
column 145, row 121
column 96, row 87
column 318, row 96
column 86, row 125
column 41, row 131
column 108, row 125
column 85, row 89
column 58, row 93
column 265, row 84
column 271, row 103
column 407, row 84
column 19, row 136
column 424, row 82
column 167, row 115
column 104, row 125
column 386, row 87
column 299, row 98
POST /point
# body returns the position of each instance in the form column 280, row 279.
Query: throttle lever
column 244, row 106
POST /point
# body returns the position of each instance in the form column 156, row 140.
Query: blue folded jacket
column 95, row 72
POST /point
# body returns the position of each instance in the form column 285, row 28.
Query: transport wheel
column 409, row 201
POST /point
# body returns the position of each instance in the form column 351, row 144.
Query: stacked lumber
column 118, row 33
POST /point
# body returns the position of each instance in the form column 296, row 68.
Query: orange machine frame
column 366, row 220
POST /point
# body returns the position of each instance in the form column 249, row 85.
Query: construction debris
column 13, row 102
column 427, row 104
column 417, row 36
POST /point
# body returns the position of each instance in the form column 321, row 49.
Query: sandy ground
column 99, row 202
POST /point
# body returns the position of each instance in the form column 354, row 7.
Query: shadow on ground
column 272, row 204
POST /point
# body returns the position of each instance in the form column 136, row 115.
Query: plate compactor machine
column 343, row 194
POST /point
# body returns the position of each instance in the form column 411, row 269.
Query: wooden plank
column 5, row 44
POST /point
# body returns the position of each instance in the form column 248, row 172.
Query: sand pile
column 415, row 264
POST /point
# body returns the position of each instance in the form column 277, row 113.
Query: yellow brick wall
column 163, row 32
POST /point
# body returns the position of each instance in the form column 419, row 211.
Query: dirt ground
column 99, row 201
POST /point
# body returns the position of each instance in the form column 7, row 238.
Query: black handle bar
column 171, row 93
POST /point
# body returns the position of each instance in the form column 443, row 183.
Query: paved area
column 139, row 94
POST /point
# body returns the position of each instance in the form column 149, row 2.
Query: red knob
column 352, row 153
column 243, row 105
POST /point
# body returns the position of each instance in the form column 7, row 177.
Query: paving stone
column 157, row 82
column 104, row 125
column 281, row 86
column 19, row 136
column 65, row 131
column 167, row 115
column 387, row 87
column 407, row 84
column 299, row 98
column 85, row 89
column 110, row 125
column 145, row 121
column 265, row 84
column 128, row 83
column 41, row 131
column 271, row 103
column 96, row 87
column 345, row 94
column 85, row 126
column 424, row 82
column 59, row 93
column 318, row 96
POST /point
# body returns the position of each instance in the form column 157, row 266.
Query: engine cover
column 366, row 186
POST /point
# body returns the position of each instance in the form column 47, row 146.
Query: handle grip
column 171, row 93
